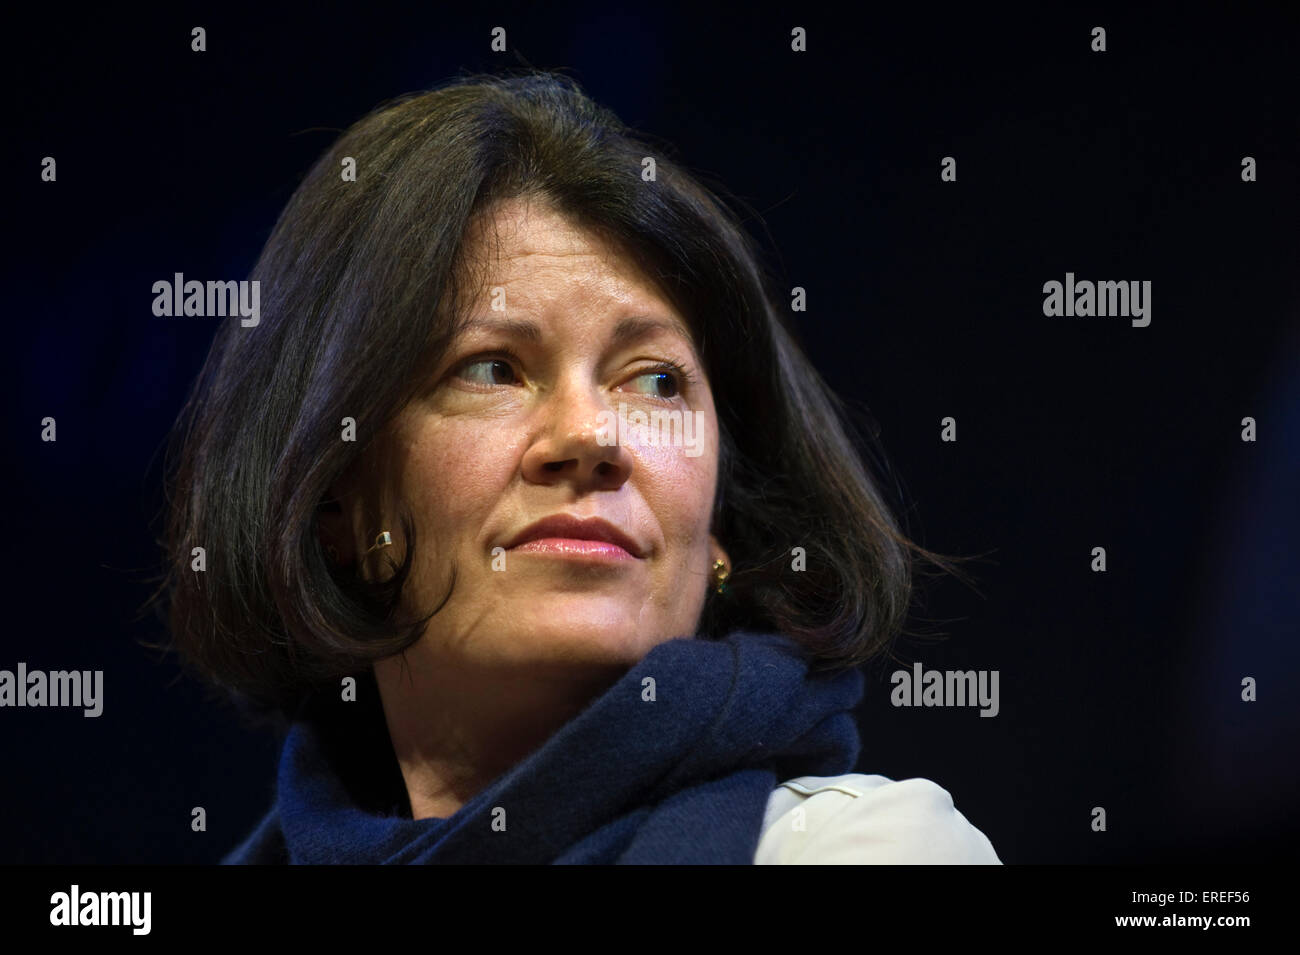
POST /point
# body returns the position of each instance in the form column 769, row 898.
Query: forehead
column 539, row 255
column 520, row 228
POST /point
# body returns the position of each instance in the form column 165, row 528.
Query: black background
column 1119, row 690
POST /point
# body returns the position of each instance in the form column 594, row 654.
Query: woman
column 526, row 518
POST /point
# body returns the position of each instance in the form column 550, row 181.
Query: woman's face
column 519, row 423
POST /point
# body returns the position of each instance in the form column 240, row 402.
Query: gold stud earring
column 720, row 575
column 382, row 540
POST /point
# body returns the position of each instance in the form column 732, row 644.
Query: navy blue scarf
column 680, row 780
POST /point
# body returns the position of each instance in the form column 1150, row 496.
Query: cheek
column 679, row 490
column 456, row 471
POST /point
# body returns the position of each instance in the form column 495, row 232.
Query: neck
column 456, row 728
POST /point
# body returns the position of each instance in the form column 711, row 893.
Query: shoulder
column 857, row 819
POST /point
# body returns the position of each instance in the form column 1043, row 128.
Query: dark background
column 1119, row 690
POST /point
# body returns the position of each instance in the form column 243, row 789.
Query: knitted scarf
column 678, row 771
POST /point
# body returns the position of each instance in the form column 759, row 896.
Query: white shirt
column 868, row 820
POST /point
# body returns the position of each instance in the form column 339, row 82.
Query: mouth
column 563, row 535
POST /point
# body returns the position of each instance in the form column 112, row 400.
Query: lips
column 565, row 526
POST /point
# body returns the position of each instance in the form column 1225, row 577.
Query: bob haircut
column 361, row 285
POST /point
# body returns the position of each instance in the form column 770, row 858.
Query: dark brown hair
column 360, row 286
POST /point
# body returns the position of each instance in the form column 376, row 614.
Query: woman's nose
column 577, row 441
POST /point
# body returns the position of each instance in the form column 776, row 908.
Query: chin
column 582, row 628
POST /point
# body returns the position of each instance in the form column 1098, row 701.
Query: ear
column 348, row 521
column 718, row 552
column 334, row 528
column 341, row 520
column 358, row 505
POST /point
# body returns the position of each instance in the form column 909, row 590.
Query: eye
column 488, row 372
column 663, row 382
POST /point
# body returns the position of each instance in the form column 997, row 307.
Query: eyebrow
column 626, row 330
column 512, row 327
